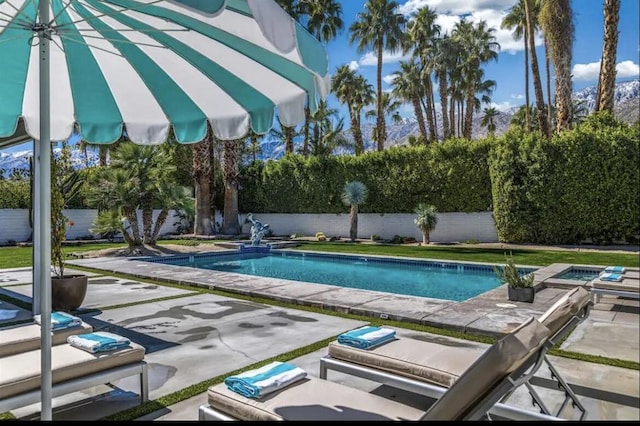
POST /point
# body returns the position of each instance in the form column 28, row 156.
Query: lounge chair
column 72, row 369
column 628, row 287
column 23, row 338
column 477, row 390
column 418, row 365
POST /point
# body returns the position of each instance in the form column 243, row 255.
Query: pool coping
column 488, row 314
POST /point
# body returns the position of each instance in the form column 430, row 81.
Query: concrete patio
column 192, row 337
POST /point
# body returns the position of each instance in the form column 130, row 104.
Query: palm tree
column 390, row 107
column 543, row 124
column 231, row 180
column 607, row 80
column 379, row 28
column 556, row 19
column 444, row 60
column 479, row 45
column 516, row 20
column 202, row 153
column 327, row 137
column 324, row 21
column 353, row 194
column 354, row 90
column 423, row 31
column 407, row 85
column 426, row 221
column 487, row 120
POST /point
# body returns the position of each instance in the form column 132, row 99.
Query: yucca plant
column 353, row 194
column 509, row 274
column 427, row 220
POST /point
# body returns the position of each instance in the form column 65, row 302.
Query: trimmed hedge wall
column 582, row 186
column 453, row 176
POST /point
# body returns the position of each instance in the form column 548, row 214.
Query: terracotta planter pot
column 522, row 294
column 68, row 292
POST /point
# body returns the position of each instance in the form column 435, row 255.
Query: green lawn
column 14, row 257
column 480, row 254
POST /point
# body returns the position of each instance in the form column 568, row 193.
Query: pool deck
column 195, row 337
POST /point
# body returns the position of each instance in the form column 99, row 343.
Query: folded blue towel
column 61, row 320
column 98, row 341
column 264, row 380
column 607, row 276
column 615, row 269
column 366, row 337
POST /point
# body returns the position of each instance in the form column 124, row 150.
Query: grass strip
column 198, row 388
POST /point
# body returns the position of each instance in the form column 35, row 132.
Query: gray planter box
column 522, row 294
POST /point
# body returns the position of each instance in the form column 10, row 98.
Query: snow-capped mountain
column 19, row 161
column 626, row 91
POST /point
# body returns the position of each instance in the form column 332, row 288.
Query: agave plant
column 426, row 220
column 353, row 194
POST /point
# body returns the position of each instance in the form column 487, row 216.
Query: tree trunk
column 380, row 123
column 230, row 225
column 353, row 230
column 607, row 79
column 288, row 139
column 548, row 71
column 417, row 107
column 468, row 116
column 425, row 237
column 428, row 89
column 202, row 175
column 543, row 125
column 305, row 130
column 442, row 80
column 161, row 219
column 356, row 131
column 527, row 115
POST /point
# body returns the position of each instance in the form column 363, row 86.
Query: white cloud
column 502, row 106
column 455, row 7
column 591, row 71
column 389, row 78
column 353, row 65
column 518, row 96
column 371, row 59
column 627, row 69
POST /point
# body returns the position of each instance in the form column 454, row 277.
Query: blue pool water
column 440, row 280
column 579, row 274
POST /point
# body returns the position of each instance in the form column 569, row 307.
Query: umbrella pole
column 35, row 233
column 45, row 215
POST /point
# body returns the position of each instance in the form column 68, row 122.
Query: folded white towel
column 615, row 269
column 98, row 341
column 607, row 276
column 366, row 337
column 264, row 380
column 60, row 320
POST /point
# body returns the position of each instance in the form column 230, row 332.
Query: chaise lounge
column 417, row 365
column 476, row 391
column 72, row 369
column 628, row 287
column 24, row 338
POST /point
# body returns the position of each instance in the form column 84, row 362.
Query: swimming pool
column 440, row 280
column 579, row 274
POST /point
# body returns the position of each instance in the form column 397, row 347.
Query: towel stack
column 98, row 341
column 610, row 276
column 61, row 320
column 614, row 269
column 264, row 380
column 366, row 337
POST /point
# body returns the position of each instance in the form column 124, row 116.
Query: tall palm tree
column 328, row 136
column 516, row 20
column 390, row 106
column 479, row 45
column 379, row 28
column 354, row 91
column 353, row 194
column 423, row 31
column 607, row 80
column 324, row 21
column 231, row 180
column 407, row 85
column 444, row 60
column 488, row 120
column 202, row 153
column 556, row 20
column 543, row 124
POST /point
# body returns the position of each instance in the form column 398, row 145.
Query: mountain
column 627, row 108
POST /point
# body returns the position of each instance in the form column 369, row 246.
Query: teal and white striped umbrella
column 144, row 66
column 141, row 68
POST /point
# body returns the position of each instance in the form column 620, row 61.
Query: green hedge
column 14, row 194
column 453, row 176
column 582, row 186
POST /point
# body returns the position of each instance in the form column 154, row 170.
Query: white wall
column 451, row 227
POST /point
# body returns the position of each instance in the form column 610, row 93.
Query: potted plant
column 520, row 287
column 67, row 291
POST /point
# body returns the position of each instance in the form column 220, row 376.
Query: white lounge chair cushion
column 627, row 284
column 23, row 338
column 310, row 399
column 564, row 309
column 20, row 373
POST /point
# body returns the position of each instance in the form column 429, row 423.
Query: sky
column 508, row 70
